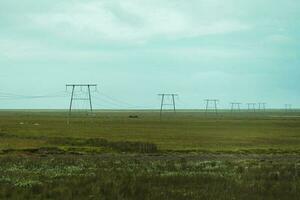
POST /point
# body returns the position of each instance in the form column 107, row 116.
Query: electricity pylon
column 288, row 107
column 236, row 106
column 214, row 105
column 251, row 106
column 81, row 86
column 173, row 104
column 262, row 106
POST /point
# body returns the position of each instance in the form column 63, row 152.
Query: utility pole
column 262, row 106
column 212, row 102
column 251, row 106
column 236, row 106
column 163, row 104
column 288, row 107
column 81, row 86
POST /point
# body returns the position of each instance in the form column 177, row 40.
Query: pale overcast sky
column 233, row 50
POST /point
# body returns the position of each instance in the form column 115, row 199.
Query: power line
column 12, row 96
column 118, row 102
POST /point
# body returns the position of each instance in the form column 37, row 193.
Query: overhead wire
column 102, row 99
column 12, row 96
column 118, row 102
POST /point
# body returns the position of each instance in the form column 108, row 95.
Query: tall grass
column 146, row 177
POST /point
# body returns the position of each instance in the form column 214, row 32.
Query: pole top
column 211, row 99
column 86, row 85
column 168, row 94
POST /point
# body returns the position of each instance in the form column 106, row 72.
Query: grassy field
column 137, row 155
column 185, row 131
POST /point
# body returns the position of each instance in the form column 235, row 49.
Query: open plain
column 138, row 155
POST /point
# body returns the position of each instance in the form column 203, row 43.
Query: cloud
column 30, row 50
column 131, row 21
column 279, row 39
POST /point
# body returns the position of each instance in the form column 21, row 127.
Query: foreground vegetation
column 115, row 156
column 149, row 177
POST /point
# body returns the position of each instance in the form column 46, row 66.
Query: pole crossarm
column 175, row 95
column 85, row 85
column 212, row 100
column 83, row 99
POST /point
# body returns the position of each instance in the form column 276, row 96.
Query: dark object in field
column 133, row 116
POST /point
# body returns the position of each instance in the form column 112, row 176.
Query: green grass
column 186, row 155
column 185, row 131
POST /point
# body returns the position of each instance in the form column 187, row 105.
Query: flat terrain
column 184, row 131
column 137, row 155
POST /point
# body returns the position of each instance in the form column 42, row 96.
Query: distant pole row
column 211, row 105
column 235, row 106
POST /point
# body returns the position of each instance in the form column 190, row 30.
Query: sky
column 234, row 50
